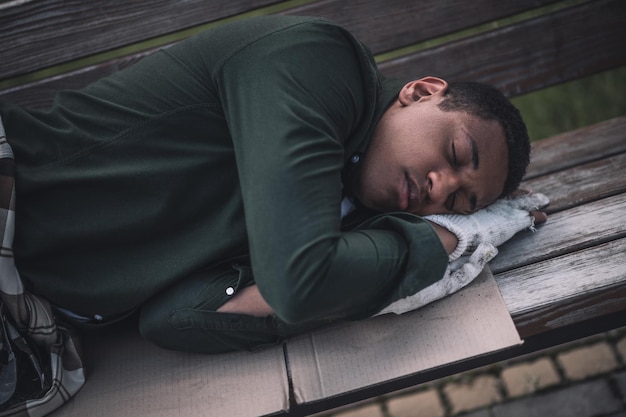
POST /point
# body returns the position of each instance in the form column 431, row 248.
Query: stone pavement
column 585, row 378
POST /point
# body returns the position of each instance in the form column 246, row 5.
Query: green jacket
column 229, row 145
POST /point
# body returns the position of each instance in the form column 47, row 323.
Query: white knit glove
column 495, row 224
column 458, row 274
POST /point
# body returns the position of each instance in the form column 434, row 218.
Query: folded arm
column 288, row 135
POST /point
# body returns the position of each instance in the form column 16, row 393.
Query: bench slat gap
column 476, row 30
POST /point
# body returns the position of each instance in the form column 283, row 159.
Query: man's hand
column 494, row 224
column 247, row 301
column 540, row 216
column 478, row 234
column 458, row 274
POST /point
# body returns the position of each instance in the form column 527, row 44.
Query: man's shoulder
column 296, row 30
column 263, row 34
column 263, row 25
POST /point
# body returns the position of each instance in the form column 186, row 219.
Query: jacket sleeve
column 289, row 106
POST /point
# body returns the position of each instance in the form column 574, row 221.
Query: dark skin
column 424, row 161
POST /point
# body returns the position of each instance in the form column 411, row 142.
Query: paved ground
column 586, row 378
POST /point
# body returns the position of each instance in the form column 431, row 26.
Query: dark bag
column 40, row 363
column 22, row 376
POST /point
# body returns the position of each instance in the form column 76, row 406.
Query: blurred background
column 575, row 104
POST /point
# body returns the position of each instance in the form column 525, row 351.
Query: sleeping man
column 259, row 180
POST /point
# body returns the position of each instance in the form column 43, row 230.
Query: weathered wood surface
column 567, row 231
column 392, row 24
column 574, row 267
column 577, row 147
column 594, row 149
column 573, row 311
column 39, row 34
column 488, row 57
column 582, row 184
column 532, row 55
column 569, row 287
column 40, row 94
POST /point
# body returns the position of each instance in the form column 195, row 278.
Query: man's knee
column 205, row 331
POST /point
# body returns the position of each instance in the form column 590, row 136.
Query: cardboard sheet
column 128, row 376
column 340, row 359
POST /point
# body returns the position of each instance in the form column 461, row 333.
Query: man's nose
column 442, row 184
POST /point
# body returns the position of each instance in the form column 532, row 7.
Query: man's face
column 424, row 160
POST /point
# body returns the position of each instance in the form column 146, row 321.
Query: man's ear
column 424, row 88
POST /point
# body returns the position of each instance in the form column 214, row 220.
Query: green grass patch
column 574, row 104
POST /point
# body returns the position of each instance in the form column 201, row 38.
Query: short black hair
column 489, row 103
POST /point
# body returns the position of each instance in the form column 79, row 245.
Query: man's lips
column 410, row 193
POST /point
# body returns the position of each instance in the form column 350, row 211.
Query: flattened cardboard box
column 337, row 360
column 127, row 376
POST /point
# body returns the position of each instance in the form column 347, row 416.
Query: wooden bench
column 565, row 282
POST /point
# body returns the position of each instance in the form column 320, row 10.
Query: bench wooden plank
column 583, row 277
column 530, row 55
column 357, row 17
column 39, row 34
column 488, row 57
column 576, row 147
column 582, row 184
column 592, row 223
column 578, row 309
column 40, row 94
column 45, row 33
column 407, row 23
column 566, row 231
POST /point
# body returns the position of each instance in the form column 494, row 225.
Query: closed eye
column 454, row 160
column 449, row 204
